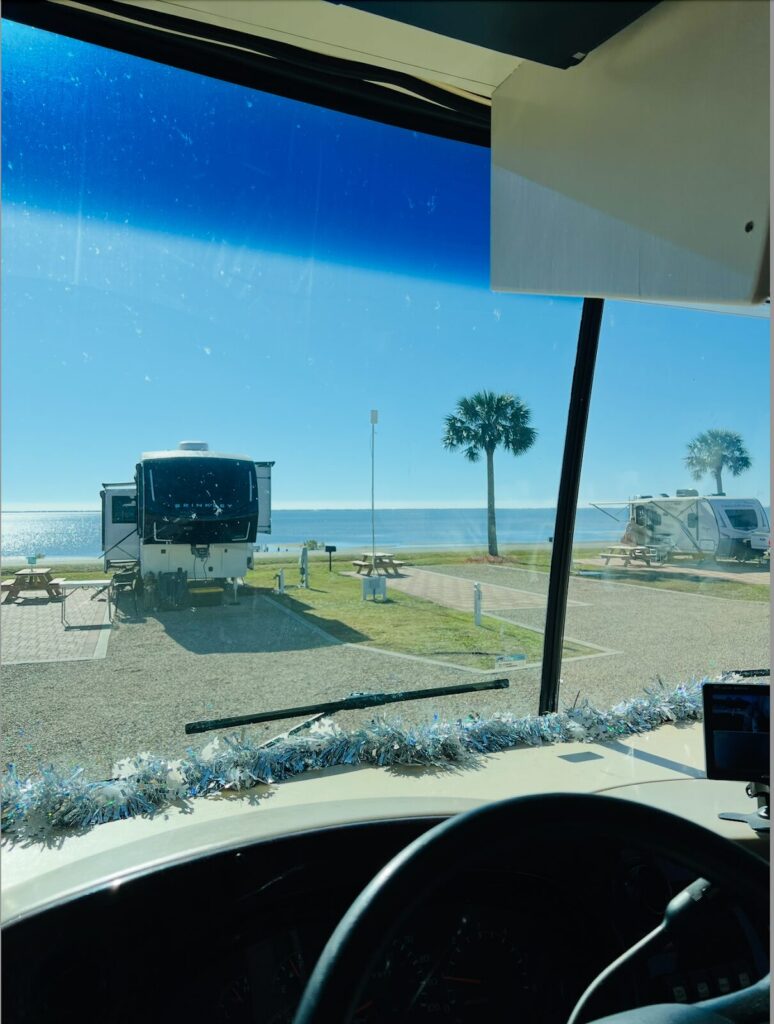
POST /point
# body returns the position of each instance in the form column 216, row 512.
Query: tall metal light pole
column 374, row 421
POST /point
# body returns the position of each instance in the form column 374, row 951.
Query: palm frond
column 714, row 450
column 485, row 421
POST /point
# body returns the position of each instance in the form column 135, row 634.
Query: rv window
column 742, row 518
column 123, row 509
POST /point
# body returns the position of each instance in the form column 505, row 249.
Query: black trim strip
column 271, row 66
column 572, row 463
column 296, row 56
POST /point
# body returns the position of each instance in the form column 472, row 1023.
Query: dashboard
column 233, row 936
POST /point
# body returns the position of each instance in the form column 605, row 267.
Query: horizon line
column 306, row 507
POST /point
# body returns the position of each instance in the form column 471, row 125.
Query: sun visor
column 642, row 173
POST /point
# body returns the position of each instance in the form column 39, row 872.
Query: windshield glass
column 199, row 488
column 183, row 257
column 677, row 458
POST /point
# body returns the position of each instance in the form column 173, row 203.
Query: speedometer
column 262, row 982
column 465, row 968
column 395, row 983
column 485, row 976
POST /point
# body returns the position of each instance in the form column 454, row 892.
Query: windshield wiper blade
column 748, row 673
column 355, row 701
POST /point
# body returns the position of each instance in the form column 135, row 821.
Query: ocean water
column 78, row 535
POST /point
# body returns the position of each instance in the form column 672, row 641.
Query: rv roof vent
column 644, row 495
column 686, row 493
column 662, row 495
column 193, row 446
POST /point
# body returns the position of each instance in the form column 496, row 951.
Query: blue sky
column 187, row 258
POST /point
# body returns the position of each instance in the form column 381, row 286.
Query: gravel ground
column 177, row 667
column 650, row 632
column 183, row 666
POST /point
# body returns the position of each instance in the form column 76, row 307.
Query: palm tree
column 483, row 422
column 712, row 451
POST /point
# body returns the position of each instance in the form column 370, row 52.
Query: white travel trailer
column 190, row 516
column 702, row 526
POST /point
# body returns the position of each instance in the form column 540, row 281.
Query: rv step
column 205, row 590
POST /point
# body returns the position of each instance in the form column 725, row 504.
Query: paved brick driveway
column 31, row 629
column 456, row 592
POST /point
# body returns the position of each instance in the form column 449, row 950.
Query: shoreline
column 294, row 549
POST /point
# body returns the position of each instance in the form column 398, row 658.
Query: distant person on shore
column 635, row 534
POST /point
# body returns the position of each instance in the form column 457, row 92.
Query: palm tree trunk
column 490, row 504
column 718, row 481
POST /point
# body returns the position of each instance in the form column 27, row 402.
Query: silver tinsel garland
column 146, row 783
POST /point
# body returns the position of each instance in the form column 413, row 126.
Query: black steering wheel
column 342, row 970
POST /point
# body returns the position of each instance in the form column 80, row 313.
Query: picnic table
column 376, row 562
column 35, row 579
column 635, row 553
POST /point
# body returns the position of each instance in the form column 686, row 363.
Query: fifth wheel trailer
column 189, row 520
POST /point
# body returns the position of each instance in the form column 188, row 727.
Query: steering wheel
column 344, row 965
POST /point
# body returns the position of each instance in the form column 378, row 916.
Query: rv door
column 263, row 474
column 707, row 531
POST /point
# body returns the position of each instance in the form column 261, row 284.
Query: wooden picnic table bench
column 634, row 552
column 380, row 561
column 32, row 579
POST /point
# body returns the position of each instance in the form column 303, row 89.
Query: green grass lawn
column 405, row 624
column 537, row 558
column 705, row 585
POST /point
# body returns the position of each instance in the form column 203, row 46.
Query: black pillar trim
column 572, row 462
column 270, row 66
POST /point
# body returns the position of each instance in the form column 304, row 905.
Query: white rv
column 711, row 526
column 189, row 520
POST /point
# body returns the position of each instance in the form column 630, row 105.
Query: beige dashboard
column 664, row 769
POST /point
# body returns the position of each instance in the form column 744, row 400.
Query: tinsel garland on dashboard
column 53, row 799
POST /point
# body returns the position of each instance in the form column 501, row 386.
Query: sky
column 185, row 258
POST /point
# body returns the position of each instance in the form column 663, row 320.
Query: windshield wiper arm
column 355, row 701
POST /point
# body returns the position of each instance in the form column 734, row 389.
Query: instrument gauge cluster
column 477, row 951
column 476, row 969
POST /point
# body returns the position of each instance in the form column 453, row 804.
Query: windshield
column 199, row 488
column 185, row 257
column 197, row 501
